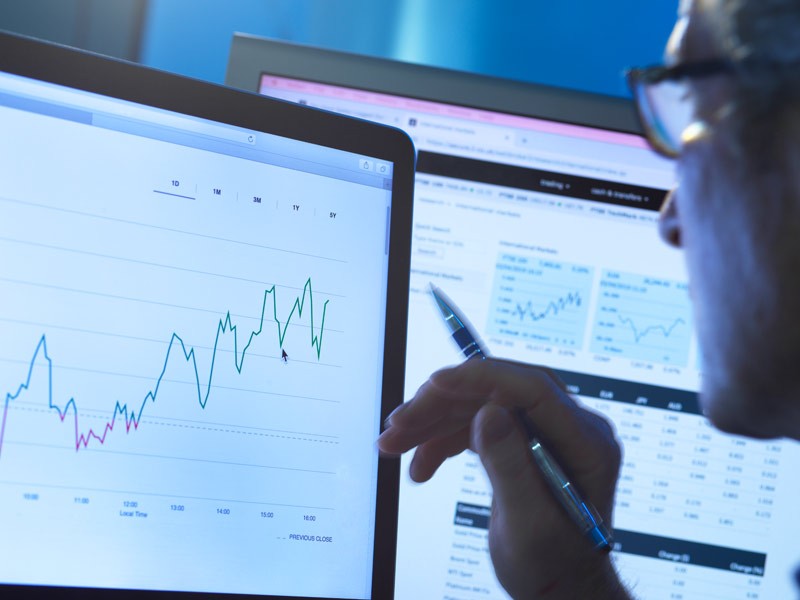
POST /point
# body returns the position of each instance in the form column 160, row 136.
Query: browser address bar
column 109, row 109
column 188, row 125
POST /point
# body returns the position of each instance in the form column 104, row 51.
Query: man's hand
column 537, row 551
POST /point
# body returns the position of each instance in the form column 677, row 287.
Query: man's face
column 739, row 231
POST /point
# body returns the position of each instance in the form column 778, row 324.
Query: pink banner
column 270, row 82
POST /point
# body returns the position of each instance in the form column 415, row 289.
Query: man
column 728, row 108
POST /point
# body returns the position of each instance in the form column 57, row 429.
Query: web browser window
column 192, row 326
column 544, row 234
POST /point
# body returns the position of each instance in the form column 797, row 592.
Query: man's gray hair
column 763, row 29
column 766, row 98
column 768, row 32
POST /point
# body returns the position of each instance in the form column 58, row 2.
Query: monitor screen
column 539, row 221
column 194, row 288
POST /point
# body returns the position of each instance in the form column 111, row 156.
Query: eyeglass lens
column 667, row 109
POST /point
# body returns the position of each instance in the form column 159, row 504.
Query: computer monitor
column 195, row 284
column 535, row 211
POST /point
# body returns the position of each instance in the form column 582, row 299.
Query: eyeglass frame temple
column 658, row 73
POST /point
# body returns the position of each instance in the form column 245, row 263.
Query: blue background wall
column 580, row 44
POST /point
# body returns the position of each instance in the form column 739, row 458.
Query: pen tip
column 440, row 301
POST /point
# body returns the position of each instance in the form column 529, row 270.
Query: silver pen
column 584, row 515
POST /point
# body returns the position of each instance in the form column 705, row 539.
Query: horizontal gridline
column 146, row 263
column 20, row 405
column 168, row 229
column 178, row 381
column 104, row 451
column 166, row 342
column 141, row 300
column 157, row 495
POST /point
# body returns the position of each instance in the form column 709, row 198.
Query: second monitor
column 535, row 211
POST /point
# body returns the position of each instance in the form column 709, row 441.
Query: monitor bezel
column 251, row 57
column 61, row 65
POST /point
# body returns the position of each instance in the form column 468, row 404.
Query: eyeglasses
column 665, row 103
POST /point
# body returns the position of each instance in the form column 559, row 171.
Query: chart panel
column 540, row 300
column 642, row 318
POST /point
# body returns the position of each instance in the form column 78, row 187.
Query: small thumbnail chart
column 540, row 300
column 642, row 318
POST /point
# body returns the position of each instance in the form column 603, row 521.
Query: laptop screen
column 544, row 234
column 193, row 323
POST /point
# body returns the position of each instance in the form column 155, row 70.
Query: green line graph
column 132, row 417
